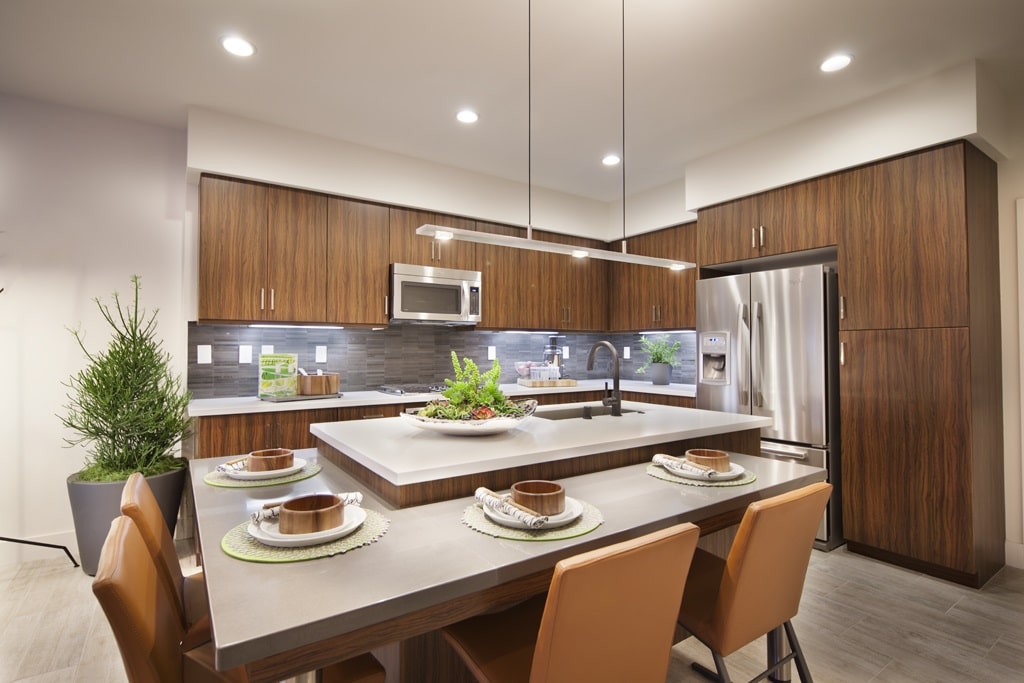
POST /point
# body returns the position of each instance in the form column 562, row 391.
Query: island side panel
column 744, row 441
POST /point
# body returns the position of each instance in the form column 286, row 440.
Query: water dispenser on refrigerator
column 714, row 358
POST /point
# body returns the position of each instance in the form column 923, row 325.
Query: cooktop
column 404, row 389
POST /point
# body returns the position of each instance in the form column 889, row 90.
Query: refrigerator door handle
column 785, row 452
column 744, row 352
column 757, row 353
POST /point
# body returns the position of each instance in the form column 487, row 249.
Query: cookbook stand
column 43, row 545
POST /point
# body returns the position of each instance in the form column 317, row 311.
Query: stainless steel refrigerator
column 767, row 344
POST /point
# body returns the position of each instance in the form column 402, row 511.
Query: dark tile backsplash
column 401, row 354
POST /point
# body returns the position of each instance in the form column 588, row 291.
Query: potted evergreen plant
column 661, row 358
column 129, row 409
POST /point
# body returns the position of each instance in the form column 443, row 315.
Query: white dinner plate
column 268, row 534
column 573, row 509
column 734, row 471
column 297, row 464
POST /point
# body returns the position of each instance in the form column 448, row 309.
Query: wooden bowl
column 546, row 497
column 270, row 459
column 716, row 460
column 308, row 514
column 318, row 385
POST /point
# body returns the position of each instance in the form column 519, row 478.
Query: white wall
column 936, row 109
column 1011, row 283
column 86, row 201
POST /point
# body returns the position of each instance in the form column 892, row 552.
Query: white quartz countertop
column 401, row 453
column 236, row 405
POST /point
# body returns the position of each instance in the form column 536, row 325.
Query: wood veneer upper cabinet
column 570, row 293
column 358, row 251
column 261, row 252
column 797, row 217
column 408, row 247
column 647, row 297
column 903, row 253
column 296, row 256
column 232, row 249
column 505, row 289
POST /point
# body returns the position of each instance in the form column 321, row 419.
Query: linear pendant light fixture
column 440, row 232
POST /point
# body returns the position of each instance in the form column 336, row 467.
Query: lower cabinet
column 220, row 435
column 660, row 399
column 922, row 465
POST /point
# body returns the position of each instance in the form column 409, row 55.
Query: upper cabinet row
column 275, row 254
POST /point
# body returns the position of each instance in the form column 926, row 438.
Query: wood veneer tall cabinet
column 920, row 375
column 261, row 252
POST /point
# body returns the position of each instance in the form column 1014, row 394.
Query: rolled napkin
column 237, row 465
column 505, row 505
column 676, row 465
column 273, row 511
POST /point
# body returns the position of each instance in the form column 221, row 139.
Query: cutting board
column 547, row 382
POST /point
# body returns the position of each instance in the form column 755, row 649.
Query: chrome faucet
column 615, row 398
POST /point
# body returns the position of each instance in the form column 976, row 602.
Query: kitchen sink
column 576, row 412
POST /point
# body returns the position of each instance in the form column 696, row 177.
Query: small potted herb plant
column 129, row 409
column 661, row 358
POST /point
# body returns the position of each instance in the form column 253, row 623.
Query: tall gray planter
column 95, row 504
column 660, row 373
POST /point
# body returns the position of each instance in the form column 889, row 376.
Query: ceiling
column 700, row 75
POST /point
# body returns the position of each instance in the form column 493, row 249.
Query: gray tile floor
column 860, row 620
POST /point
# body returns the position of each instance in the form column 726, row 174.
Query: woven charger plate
column 591, row 518
column 239, row 544
column 216, row 478
column 661, row 473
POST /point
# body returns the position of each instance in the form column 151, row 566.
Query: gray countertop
column 234, row 405
column 397, row 450
column 427, row 557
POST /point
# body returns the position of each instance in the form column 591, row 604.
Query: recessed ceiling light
column 611, row 160
column 467, row 116
column 239, row 47
column 836, row 63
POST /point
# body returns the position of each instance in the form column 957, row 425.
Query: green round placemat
column 239, row 544
column 661, row 473
column 216, row 478
column 474, row 517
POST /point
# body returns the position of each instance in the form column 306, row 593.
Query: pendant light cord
column 623, row 126
column 529, row 119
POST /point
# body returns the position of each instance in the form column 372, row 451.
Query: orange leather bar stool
column 609, row 615
column 155, row 647
column 139, row 503
column 729, row 603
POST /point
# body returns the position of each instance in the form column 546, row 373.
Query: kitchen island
column 407, row 465
column 427, row 571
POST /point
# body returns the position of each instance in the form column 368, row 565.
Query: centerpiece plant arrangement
column 472, row 395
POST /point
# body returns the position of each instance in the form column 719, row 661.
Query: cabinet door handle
column 386, row 304
column 842, row 353
column 263, row 292
column 372, row 416
column 842, row 308
column 753, row 239
column 760, row 230
column 271, row 298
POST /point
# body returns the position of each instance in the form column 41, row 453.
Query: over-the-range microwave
column 434, row 295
